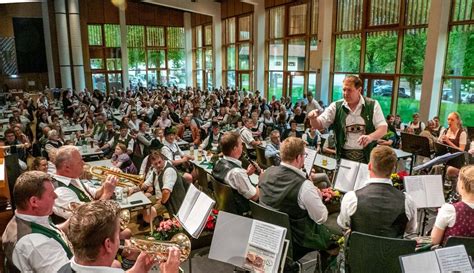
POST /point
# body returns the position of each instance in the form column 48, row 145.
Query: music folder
column 250, row 244
column 309, row 159
column 195, row 211
column 351, row 176
column 442, row 260
column 425, row 190
column 438, row 160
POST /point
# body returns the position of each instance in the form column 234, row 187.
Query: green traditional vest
column 18, row 228
column 366, row 113
column 80, row 194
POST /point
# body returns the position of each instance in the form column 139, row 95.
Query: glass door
column 244, row 81
column 295, row 86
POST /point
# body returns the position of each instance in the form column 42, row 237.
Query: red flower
column 402, row 174
column 215, row 212
column 210, row 225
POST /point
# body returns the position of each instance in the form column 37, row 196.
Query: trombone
column 102, row 172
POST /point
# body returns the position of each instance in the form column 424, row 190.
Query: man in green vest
column 358, row 122
column 30, row 241
column 70, row 188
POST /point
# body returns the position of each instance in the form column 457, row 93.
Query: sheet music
column 453, row 259
column 346, row 175
column 425, row 190
column 309, row 160
column 195, row 210
column 2, row 169
column 422, row 262
column 362, row 176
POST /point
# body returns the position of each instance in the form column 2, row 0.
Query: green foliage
column 112, row 35
column 347, row 56
column 381, row 52
column 460, row 56
column 176, row 58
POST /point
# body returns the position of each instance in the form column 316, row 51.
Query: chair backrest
column 369, row 253
column 203, row 182
column 468, row 243
column 261, row 160
column 269, row 215
column 224, row 196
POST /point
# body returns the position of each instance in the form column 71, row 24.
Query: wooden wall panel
column 133, row 13
column 231, row 8
column 111, row 13
column 200, row 19
column 95, row 11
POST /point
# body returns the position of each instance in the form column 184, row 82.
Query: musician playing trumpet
column 69, row 188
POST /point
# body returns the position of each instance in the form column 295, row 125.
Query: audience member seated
column 178, row 158
column 379, row 208
column 416, row 124
column 122, row 160
column 228, row 170
column 213, row 138
column 437, row 128
column 292, row 131
column 169, row 186
column 53, row 141
column 123, row 137
column 286, row 189
column 40, row 164
column 247, row 138
column 430, row 134
column 188, row 132
column 31, row 243
column 272, row 150
column 231, row 118
column 312, row 138
column 457, row 219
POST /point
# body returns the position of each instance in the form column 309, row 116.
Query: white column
column 324, row 50
column 63, row 43
column 76, row 45
column 124, row 49
column 188, row 48
column 437, row 38
column 47, row 43
column 217, row 48
column 259, row 46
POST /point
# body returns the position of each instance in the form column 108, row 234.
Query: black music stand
column 417, row 145
column 457, row 162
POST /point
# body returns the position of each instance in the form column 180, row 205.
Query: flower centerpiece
column 167, row 229
column 397, row 179
column 332, row 199
column 211, row 220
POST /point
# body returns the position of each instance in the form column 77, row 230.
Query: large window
column 155, row 56
column 203, row 67
column 385, row 47
column 458, row 88
column 291, row 45
column 238, row 58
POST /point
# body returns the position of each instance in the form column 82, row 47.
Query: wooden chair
column 369, row 253
column 468, row 243
column 309, row 262
column 224, row 196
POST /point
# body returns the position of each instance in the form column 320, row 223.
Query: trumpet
column 160, row 249
column 124, row 215
column 102, row 172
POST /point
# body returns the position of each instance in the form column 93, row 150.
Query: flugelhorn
column 102, row 172
column 160, row 249
column 124, row 215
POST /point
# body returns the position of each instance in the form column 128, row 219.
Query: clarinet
column 258, row 170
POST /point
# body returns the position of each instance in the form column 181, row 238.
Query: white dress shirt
column 328, row 116
column 349, row 207
column 93, row 269
column 309, row 198
column 36, row 252
column 239, row 180
column 66, row 195
column 247, row 137
column 447, row 216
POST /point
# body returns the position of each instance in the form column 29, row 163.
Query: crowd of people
column 147, row 132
